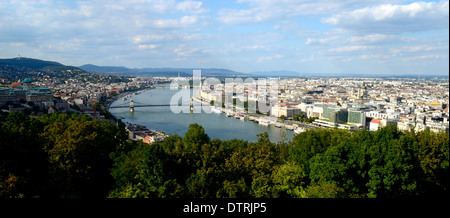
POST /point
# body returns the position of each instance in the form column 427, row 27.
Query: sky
column 305, row 36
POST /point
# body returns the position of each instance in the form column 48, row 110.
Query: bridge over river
column 134, row 104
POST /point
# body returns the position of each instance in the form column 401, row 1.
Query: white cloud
column 418, row 48
column 253, row 47
column 266, row 10
column 325, row 41
column 311, row 58
column 231, row 16
column 351, row 48
column 150, row 38
column 191, row 7
column 394, row 19
column 421, row 57
column 346, row 59
column 360, row 40
column 17, row 44
column 287, row 32
column 187, row 51
column 270, row 58
column 372, row 38
column 150, row 46
column 157, row 6
column 183, row 22
column 375, row 56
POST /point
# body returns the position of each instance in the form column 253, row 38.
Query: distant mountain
column 36, row 64
column 171, row 72
column 106, row 69
column 279, row 73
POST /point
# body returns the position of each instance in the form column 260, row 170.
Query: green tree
column 324, row 190
column 296, row 117
column 433, row 157
column 254, row 165
column 392, row 166
column 328, row 163
column 311, row 142
column 340, row 165
column 289, row 180
column 79, row 156
column 23, row 164
column 195, row 137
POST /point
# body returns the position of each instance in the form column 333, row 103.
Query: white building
column 374, row 125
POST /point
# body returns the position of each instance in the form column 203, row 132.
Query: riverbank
column 268, row 120
column 216, row 125
column 111, row 100
column 136, row 132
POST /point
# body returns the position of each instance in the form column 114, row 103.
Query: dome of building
column 27, row 84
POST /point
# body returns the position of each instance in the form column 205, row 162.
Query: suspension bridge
column 134, row 104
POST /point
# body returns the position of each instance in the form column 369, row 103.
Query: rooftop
column 375, row 121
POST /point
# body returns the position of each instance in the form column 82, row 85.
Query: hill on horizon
column 167, row 71
column 36, row 64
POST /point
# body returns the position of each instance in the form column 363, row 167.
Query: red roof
column 15, row 84
column 375, row 121
column 147, row 139
column 287, row 104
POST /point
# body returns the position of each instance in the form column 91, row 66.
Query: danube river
column 215, row 125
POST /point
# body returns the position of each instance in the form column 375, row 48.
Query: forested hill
column 35, row 64
column 62, row 156
column 165, row 72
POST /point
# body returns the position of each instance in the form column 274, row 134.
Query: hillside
column 36, row 64
column 279, row 73
column 160, row 71
column 106, row 69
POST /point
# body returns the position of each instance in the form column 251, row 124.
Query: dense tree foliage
column 318, row 163
column 74, row 156
column 56, row 156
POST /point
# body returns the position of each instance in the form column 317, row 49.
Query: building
column 356, row 117
column 335, row 114
column 25, row 93
column 115, row 90
column 138, row 132
column 285, row 109
column 374, row 125
column 315, row 111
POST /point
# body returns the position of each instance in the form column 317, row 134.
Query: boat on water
column 278, row 126
column 298, row 131
column 264, row 122
column 229, row 115
column 242, row 117
column 290, row 128
column 217, row 110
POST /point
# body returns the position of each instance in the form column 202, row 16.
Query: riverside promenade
column 288, row 124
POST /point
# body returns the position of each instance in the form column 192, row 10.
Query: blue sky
column 306, row 36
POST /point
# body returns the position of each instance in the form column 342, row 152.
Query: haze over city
column 347, row 36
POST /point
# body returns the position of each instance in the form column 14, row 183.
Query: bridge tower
column 131, row 106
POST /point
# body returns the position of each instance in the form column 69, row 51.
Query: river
column 215, row 125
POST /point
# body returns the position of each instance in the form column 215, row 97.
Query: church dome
column 27, row 80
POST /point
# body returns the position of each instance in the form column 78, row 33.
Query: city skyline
column 335, row 37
